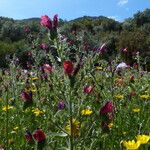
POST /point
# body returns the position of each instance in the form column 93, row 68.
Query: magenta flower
column 47, row 68
column 46, row 22
column 88, row 89
column 28, row 136
column 44, row 46
column 55, row 21
column 26, row 96
column 107, row 108
column 61, row 105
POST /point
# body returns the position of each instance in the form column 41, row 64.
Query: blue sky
column 69, row 9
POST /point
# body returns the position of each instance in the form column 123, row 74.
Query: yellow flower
column 37, row 112
column 86, row 112
column 75, row 128
column 34, row 78
column 143, row 139
column 6, row 108
column 0, row 99
column 136, row 110
column 119, row 97
column 110, row 125
column 99, row 68
column 14, row 130
column 144, row 97
column 131, row 145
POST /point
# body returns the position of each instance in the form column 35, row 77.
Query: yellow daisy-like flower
column 86, row 112
column 110, row 125
column 6, row 108
column 75, row 128
column 136, row 110
column 131, row 145
column 144, row 97
column 119, row 97
column 143, row 139
column 37, row 112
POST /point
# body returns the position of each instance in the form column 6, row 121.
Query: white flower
column 121, row 66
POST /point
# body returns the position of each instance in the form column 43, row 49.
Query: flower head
column 119, row 97
column 86, row 112
column 121, row 66
column 47, row 68
column 88, row 89
column 144, row 97
column 131, row 145
column 75, row 128
column 37, row 112
column 143, row 139
column 68, row 67
column 46, row 22
column 55, row 21
column 39, row 135
column 26, row 96
column 44, row 46
column 6, row 108
column 28, row 136
column 136, row 110
column 61, row 105
column 107, row 108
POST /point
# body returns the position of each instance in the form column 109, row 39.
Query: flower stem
column 71, row 124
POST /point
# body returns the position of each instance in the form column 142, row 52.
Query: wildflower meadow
column 68, row 98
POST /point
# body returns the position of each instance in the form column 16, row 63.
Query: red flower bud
column 107, row 108
column 39, row 135
column 68, row 67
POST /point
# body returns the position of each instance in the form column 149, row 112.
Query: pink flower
column 88, row 89
column 44, row 46
column 27, row 29
column 47, row 68
column 107, row 108
column 46, row 22
column 125, row 50
column 55, row 21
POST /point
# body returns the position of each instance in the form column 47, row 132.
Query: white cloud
column 114, row 17
column 122, row 2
